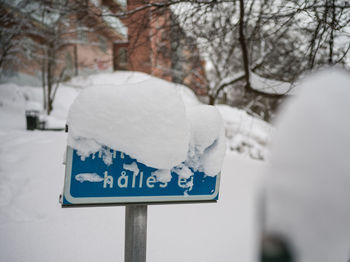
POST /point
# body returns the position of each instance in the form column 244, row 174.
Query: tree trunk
column 242, row 42
column 50, row 76
column 312, row 55
column 43, row 81
column 331, row 38
column 76, row 68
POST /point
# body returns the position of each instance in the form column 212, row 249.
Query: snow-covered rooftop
column 114, row 22
column 262, row 84
column 270, row 86
column 122, row 3
column 35, row 11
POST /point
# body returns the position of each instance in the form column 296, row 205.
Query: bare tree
column 51, row 27
column 276, row 40
column 236, row 42
column 325, row 27
column 241, row 41
column 14, row 25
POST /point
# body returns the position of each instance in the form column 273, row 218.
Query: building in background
column 157, row 45
column 78, row 41
column 91, row 38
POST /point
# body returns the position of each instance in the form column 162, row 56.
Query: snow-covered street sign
column 141, row 143
column 124, row 180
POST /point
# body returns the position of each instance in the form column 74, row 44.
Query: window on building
column 103, row 44
column 121, row 59
column 28, row 48
column 82, row 34
column 69, row 63
column 122, row 56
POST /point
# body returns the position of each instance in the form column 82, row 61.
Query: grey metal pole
column 135, row 233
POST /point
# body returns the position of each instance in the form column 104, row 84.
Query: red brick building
column 85, row 42
column 157, row 45
column 149, row 40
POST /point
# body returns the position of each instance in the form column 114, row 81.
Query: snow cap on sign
column 160, row 124
column 146, row 120
column 207, row 144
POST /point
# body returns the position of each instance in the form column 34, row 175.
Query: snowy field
column 34, row 227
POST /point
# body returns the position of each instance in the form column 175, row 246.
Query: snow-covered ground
column 33, row 226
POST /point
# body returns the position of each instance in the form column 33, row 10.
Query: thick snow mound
column 188, row 96
column 213, row 156
column 116, row 78
column 207, row 145
column 307, row 188
column 146, row 120
column 158, row 123
column 206, row 123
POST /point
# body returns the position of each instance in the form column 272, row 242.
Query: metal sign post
column 135, row 233
column 110, row 177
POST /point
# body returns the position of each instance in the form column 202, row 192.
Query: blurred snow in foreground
column 307, row 186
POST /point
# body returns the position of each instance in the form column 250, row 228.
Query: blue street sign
column 112, row 177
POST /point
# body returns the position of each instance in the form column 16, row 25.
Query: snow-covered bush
column 246, row 134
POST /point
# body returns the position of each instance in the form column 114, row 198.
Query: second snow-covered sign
column 145, row 141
